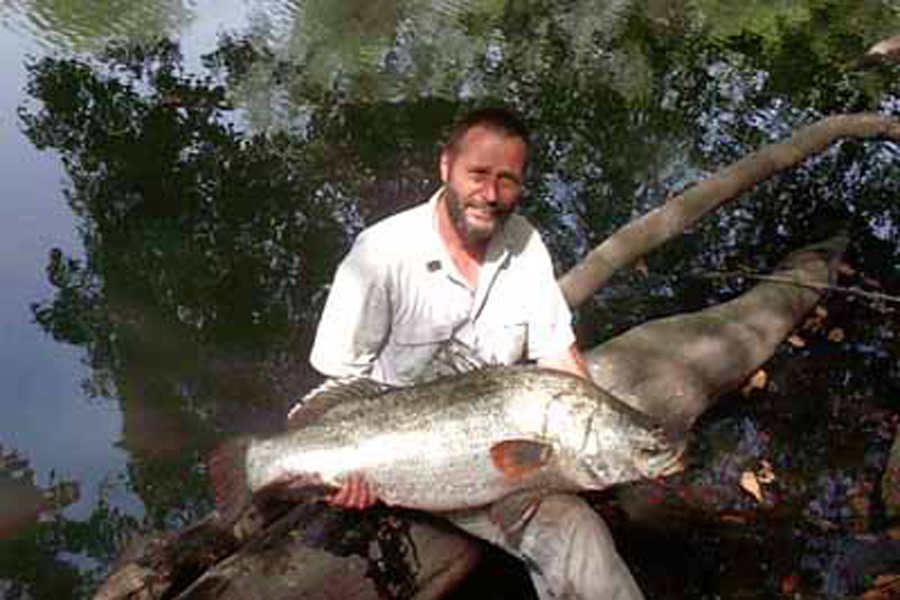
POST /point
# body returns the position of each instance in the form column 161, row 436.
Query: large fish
column 457, row 442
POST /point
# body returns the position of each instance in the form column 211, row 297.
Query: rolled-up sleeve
column 550, row 324
column 356, row 321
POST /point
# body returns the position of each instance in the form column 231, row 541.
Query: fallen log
column 315, row 551
column 305, row 552
column 674, row 368
column 155, row 563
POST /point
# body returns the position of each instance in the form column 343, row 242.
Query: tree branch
column 640, row 236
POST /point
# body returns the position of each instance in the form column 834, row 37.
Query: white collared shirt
column 397, row 296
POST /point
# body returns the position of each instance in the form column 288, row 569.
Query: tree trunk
column 675, row 368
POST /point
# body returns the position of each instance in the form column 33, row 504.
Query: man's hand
column 356, row 493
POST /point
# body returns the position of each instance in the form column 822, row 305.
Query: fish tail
column 228, row 472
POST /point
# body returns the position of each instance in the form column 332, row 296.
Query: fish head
column 662, row 454
column 627, row 450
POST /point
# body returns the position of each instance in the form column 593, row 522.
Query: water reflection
column 88, row 25
column 213, row 206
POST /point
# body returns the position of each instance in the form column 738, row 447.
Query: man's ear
column 446, row 161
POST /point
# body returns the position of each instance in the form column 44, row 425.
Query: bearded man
column 464, row 269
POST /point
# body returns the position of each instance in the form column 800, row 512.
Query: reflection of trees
column 204, row 253
column 206, row 248
column 43, row 563
column 225, row 238
column 767, row 19
column 30, row 565
column 88, row 25
column 393, row 49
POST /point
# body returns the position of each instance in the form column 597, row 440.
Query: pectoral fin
column 519, row 458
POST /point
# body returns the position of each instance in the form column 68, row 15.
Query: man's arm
column 356, row 319
column 353, row 327
column 570, row 361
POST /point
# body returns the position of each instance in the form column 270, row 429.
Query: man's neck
column 467, row 255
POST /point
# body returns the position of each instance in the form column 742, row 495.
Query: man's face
column 483, row 180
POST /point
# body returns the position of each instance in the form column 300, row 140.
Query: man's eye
column 508, row 187
column 509, row 184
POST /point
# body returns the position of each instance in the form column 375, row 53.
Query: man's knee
column 570, row 516
column 573, row 554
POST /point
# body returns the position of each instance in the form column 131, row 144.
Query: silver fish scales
column 460, row 441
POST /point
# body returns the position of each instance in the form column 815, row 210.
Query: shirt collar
column 439, row 258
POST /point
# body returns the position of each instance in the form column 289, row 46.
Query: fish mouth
column 667, row 463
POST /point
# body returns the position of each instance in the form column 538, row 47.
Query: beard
column 469, row 231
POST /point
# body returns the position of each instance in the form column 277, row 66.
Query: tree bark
column 675, row 368
column 640, row 236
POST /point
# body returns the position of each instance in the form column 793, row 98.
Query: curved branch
column 639, row 237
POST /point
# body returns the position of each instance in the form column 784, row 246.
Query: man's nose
column 491, row 190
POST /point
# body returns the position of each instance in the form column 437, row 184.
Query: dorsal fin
column 452, row 357
column 330, row 395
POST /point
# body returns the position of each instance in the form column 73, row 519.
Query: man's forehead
column 487, row 145
column 486, row 131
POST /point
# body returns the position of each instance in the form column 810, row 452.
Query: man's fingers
column 355, row 493
column 340, row 497
column 365, row 496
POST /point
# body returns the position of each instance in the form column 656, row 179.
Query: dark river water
column 181, row 178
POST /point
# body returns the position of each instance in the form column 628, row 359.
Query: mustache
column 495, row 208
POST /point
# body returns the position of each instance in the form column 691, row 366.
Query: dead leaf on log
column 735, row 519
column 751, row 485
column 816, row 320
column 887, row 587
column 757, row 381
column 790, row 584
column 765, row 474
column 796, row 341
column 752, row 482
column 872, row 283
column 836, row 335
column 886, row 579
column 845, row 269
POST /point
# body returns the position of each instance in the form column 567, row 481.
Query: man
column 464, row 269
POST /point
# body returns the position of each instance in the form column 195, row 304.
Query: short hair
column 497, row 118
